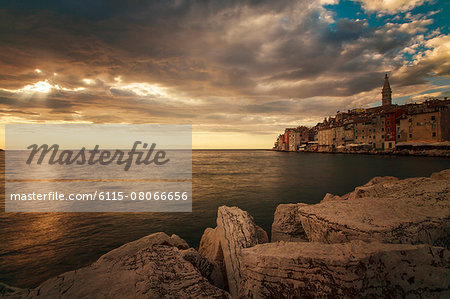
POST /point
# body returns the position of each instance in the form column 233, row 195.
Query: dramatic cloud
column 390, row 6
column 235, row 69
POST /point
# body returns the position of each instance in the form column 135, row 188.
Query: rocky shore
column 387, row 238
column 395, row 152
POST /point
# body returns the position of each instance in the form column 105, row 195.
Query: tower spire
column 386, row 92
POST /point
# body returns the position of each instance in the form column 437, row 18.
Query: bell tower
column 386, row 93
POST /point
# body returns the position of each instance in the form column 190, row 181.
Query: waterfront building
column 376, row 128
column 293, row 138
column 425, row 122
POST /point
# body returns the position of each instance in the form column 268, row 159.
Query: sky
column 238, row 71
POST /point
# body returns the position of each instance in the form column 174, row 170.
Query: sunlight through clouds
column 252, row 67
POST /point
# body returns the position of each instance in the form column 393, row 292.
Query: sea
column 37, row 246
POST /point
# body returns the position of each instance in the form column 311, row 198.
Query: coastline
column 374, row 229
column 415, row 153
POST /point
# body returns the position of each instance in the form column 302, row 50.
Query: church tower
column 386, row 92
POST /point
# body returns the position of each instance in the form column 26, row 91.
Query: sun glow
column 88, row 81
column 41, row 87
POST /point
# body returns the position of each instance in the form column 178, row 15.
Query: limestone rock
column 331, row 197
column 287, row 224
column 155, row 266
column 207, row 269
column 373, row 187
column 415, row 210
column 7, row 291
column 351, row 270
column 235, row 230
column 380, row 180
column 442, row 175
column 261, row 235
column 210, row 248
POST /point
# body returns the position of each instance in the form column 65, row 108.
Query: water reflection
column 36, row 246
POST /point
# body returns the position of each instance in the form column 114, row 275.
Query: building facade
column 377, row 128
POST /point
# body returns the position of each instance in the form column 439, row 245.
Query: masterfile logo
column 95, row 156
column 99, row 168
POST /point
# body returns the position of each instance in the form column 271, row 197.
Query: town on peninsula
column 411, row 129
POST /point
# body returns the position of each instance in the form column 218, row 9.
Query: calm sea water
column 36, row 246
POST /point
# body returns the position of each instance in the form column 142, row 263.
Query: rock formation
column 371, row 188
column 211, row 249
column 350, row 270
column 155, row 266
column 207, row 269
column 363, row 244
column 442, row 175
column 235, row 230
column 415, row 210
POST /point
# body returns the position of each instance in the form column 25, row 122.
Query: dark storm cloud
column 177, row 41
column 278, row 106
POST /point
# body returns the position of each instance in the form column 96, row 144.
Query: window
column 433, row 117
column 390, row 144
column 388, row 122
column 388, row 129
column 382, row 136
column 363, row 131
column 356, row 137
column 434, row 134
column 410, row 135
column 398, row 136
column 382, row 129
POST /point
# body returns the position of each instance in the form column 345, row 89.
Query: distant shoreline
column 423, row 153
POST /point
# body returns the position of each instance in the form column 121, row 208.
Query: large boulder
column 351, row 270
column 415, row 210
column 441, row 175
column 155, row 266
column 287, row 224
column 331, row 197
column 7, row 291
column 207, row 269
column 375, row 186
column 211, row 249
column 235, row 230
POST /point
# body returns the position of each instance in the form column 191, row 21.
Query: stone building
column 296, row 137
column 425, row 122
column 279, row 143
column 377, row 128
column 326, row 138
